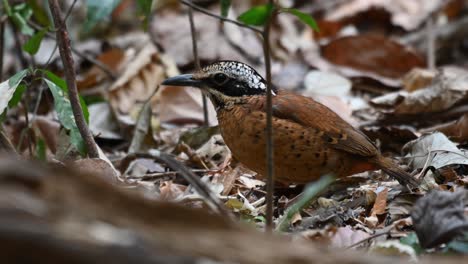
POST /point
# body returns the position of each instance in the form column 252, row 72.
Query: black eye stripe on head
column 220, row 78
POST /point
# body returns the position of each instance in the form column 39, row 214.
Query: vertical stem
column 69, row 68
column 269, row 130
column 2, row 44
column 430, row 42
column 197, row 61
column 18, row 48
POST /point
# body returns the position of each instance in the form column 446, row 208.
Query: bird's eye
column 220, row 78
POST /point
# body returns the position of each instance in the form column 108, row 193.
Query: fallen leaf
column 435, row 149
column 346, row 236
column 407, row 14
column 446, row 90
column 102, row 121
column 455, row 130
column 380, row 204
column 372, row 53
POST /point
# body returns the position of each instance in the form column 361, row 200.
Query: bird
column 309, row 139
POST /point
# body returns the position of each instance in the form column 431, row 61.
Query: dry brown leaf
column 346, row 236
column 407, row 14
column 380, row 204
column 447, row 89
column 113, row 58
column 170, row 191
column 372, row 53
column 97, row 167
column 433, row 150
column 181, row 105
column 455, row 130
column 418, row 79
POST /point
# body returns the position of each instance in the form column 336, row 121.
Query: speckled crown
column 240, row 71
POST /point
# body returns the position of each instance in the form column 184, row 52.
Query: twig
column 368, row 238
column 270, row 184
column 83, row 55
column 69, row 68
column 143, row 124
column 197, row 61
column 208, row 13
column 2, row 44
column 18, row 48
column 188, row 175
column 5, row 143
column 430, row 53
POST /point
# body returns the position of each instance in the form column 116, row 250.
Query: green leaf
column 7, row 8
column 39, row 13
column 98, row 11
column 65, row 114
column 41, row 150
column 225, row 4
column 20, row 14
column 257, row 15
column 144, row 8
column 412, row 240
column 34, row 42
column 21, row 23
column 63, row 85
column 56, row 80
column 309, row 193
column 305, row 18
column 8, row 88
column 17, row 95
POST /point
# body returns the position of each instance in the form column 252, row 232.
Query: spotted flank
column 240, row 71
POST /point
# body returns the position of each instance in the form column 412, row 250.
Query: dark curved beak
column 182, row 80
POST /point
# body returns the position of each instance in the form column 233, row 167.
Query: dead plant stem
column 63, row 41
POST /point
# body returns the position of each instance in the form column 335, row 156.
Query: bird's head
column 223, row 81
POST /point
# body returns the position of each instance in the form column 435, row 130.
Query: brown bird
column 310, row 140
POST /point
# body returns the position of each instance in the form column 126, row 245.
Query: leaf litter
column 368, row 211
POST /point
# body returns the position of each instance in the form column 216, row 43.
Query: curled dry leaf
column 448, row 88
column 170, row 191
column 139, row 80
column 102, row 121
column 434, row 149
column 418, row 79
column 97, row 167
column 407, row 14
column 456, row 130
column 380, row 204
column 135, row 85
column 345, row 237
column 214, row 149
column 372, row 53
column 439, row 217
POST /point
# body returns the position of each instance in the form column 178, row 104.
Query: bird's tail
column 389, row 167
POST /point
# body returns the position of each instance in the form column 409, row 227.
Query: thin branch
column 186, row 173
column 197, row 62
column 2, row 44
column 208, row 13
column 270, row 186
column 18, row 48
column 69, row 68
column 430, row 53
column 83, row 55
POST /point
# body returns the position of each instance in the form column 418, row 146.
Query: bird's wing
column 311, row 114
